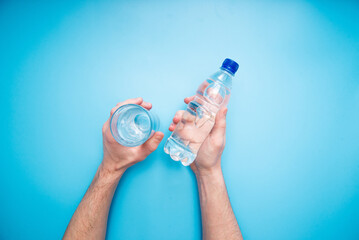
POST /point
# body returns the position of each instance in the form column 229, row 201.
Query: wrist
column 212, row 172
column 109, row 172
column 210, row 177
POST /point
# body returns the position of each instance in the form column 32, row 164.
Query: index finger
column 142, row 103
column 138, row 101
column 189, row 99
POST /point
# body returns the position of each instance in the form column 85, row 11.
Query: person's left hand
column 118, row 158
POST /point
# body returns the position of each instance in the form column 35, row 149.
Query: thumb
column 219, row 128
column 151, row 144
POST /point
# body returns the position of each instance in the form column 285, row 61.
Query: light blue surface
column 291, row 162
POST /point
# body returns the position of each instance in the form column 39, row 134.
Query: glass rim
column 119, row 139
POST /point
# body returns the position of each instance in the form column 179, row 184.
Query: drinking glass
column 131, row 125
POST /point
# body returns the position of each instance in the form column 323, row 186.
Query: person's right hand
column 209, row 155
column 118, row 158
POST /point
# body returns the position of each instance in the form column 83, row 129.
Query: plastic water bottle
column 199, row 118
column 131, row 125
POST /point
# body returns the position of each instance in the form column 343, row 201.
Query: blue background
column 291, row 162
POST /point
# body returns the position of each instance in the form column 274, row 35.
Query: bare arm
column 218, row 220
column 90, row 218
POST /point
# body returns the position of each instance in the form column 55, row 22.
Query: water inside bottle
column 179, row 152
column 190, row 133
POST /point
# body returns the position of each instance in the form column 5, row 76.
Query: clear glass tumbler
column 131, row 125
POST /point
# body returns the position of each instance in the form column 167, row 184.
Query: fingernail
column 159, row 137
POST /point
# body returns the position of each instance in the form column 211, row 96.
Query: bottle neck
column 227, row 72
column 224, row 77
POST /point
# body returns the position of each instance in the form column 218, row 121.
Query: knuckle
column 179, row 113
column 222, row 125
column 217, row 143
column 104, row 128
column 151, row 147
column 176, row 114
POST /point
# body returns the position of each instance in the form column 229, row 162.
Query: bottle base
column 179, row 152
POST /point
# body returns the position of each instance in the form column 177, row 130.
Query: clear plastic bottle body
column 199, row 118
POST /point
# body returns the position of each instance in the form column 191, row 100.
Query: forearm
column 218, row 220
column 90, row 218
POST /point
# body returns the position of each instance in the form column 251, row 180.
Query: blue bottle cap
column 230, row 66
